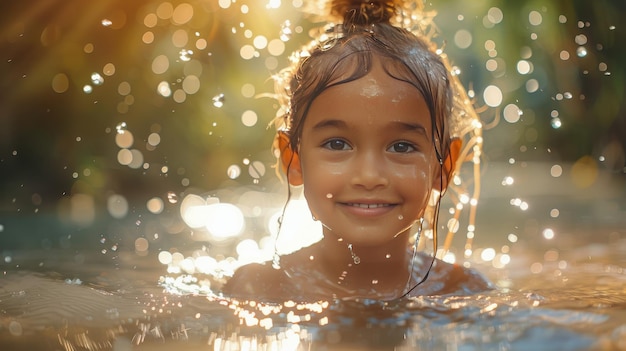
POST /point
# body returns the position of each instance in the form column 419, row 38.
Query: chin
column 369, row 240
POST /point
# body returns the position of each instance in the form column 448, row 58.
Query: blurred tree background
column 109, row 102
column 559, row 62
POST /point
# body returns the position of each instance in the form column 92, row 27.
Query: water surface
column 92, row 307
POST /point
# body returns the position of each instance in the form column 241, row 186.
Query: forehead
column 375, row 96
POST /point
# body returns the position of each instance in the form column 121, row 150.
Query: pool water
column 96, row 307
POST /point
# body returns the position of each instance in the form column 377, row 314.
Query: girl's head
column 349, row 51
column 346, row 52
column 405, row 58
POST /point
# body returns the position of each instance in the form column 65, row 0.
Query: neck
column 379, row 271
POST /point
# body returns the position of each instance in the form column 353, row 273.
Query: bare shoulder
column 257, row 280
column 451, row 279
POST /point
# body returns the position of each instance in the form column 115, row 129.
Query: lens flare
column 224, row 220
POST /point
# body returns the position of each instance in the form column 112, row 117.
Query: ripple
column 37, row 302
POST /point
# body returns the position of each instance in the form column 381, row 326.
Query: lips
column 367, row 208
column 361, row 205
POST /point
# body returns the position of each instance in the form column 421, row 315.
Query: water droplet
column 508, row 181
column 285, row 31
column 121, row 128
column 554, row 213
column 580, row 39
column 233, row 172
column 276, row 261
column 97, row 79
column 185, row 55
column 172, row 197
column 164, row 89
column 15, row 328
column 493, row 96
column 256, row 169
column 218, row 100
column 329, row 196
column 581, row 51
column 548, row 233
column 106, row 22
column 400, row 217
column 87, row 89
column 374, row 281
column 556, row 123
column 453, row 225
column 249, row 118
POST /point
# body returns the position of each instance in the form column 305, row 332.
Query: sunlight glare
column 224, row 220
column 298, row 228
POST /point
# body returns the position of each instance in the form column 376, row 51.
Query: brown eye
column 402, row 147
column 336, row 144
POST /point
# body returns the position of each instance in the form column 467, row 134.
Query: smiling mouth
column 368, row 205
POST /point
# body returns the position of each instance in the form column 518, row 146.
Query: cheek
column 419, row 173
column 318, row 204
column 318, row 185
column 314, row 169
column 416, row 181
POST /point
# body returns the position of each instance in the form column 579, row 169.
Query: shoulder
column 257, row 280
column 451, row 279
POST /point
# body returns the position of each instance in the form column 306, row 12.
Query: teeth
column 369, row 205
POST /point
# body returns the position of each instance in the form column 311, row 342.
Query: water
column 94, row 307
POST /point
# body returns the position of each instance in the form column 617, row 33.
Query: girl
column 366, row 131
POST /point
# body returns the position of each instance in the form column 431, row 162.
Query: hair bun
column 364, row 12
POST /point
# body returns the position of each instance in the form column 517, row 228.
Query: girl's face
column 367, row 159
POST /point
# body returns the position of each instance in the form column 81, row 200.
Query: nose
column 369, row 170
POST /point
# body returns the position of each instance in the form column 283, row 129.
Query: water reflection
column 124, row 313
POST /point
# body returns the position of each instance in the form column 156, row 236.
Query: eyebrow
column 402, row 126
column 410, row 127
column 330, row 123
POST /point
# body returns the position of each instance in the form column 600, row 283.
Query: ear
column 289, row 159
column 449, row 164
